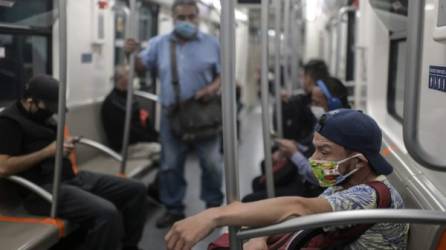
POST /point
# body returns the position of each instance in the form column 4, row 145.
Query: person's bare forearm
column 261, row 213
column 10, row 165
column 215, row 85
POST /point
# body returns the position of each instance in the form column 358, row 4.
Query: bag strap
column 174, row 70
column 383, row 197
column 342, row 237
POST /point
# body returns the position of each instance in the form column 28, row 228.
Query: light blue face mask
column 185, row 29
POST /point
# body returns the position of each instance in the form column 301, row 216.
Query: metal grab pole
column 265, row 106
column 229, row 109
column 286, row 47
column 278, row 74
column 128, row 112
column 61, row 104
column 341, row 14
column 295, row 47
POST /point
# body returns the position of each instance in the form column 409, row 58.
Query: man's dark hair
column 184, row 2
column 338, row 89
column 316, row 69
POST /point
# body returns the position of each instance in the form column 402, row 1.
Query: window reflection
column 35, row 13
column 395, row 102
column 24, row 56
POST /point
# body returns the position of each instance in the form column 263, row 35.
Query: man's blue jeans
column 173, row 157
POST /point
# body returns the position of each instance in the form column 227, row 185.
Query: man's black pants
column 111, row 210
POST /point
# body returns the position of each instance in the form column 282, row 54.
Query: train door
column 25, row 45
column 425, row 98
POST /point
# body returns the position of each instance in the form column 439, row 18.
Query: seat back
column 85, row 120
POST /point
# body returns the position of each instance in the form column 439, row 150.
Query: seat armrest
column 32, row 187
column 104, row 149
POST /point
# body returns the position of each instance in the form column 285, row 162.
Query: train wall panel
column 90, row 65
column 432, row 118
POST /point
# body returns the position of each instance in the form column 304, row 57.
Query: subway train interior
column 389, row 54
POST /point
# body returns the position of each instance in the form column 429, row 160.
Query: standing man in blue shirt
column 198, row 66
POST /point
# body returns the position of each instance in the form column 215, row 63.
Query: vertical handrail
column 229, row 109
column 286, row 47
column 295, row 46
column 61, row 104
column 265, row 102
column 277, row 73
column 412, row 90
column 132, row 33
column 341, row 13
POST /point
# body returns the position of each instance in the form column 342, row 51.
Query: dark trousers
column 111, row 210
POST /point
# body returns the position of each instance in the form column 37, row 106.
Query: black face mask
column 40, row 115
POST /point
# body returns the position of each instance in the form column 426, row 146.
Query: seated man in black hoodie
column 109, row 209
column 113, row 114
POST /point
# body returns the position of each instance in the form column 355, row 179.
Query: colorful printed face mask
column 327, row 172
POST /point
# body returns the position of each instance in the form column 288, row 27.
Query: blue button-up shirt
column 198, row 63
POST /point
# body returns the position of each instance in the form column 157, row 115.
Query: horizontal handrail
column 146, row 95
column 101, row 147
column 417, row 216
column 32, row 187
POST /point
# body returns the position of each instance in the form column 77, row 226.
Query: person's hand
column 186, row 233
column 256, row 244
column 68, row 147
column 131, row 45
column 285, row 96
column 288, row 147
column 205, row 93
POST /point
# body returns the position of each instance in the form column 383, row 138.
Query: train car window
column 120, row 29
column 148, row 21
column 399, row 7
column 21, row 57
column 36, row 13
column 25, row 45
column 396, row 80
column 147, row 27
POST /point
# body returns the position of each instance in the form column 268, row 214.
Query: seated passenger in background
column 298, row 123
column 297, row 117
column 290, row 158
column 113, row 114
column 327, row 95
column 347, row 161
column 109, row 209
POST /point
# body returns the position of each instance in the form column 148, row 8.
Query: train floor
column 250, row 155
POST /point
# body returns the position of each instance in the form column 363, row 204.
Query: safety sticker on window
column 437, row 78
